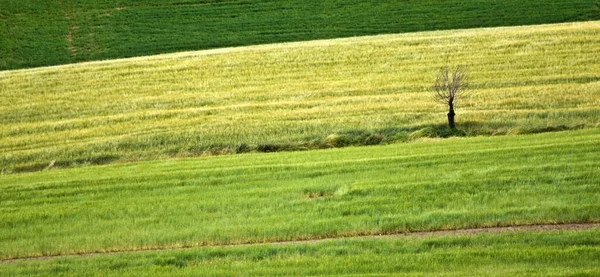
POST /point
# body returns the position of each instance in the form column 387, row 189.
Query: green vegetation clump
column 352, row 138
column 38, row 33
column 427, row 185
column 298, row 96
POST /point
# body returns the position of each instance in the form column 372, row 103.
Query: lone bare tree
column 448, row 87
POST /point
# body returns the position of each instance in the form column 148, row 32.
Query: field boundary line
column 466, row 231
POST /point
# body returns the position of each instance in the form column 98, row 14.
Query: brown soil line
column 468, row 231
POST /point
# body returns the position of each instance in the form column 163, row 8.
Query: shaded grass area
column 310, row 95
column 393, row 135
column 39, row 33
column 341, row 139
column 427, row 185
column 545, row 253
column 345, row 138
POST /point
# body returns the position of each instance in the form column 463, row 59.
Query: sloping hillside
column 37, row 33
column 317, row 94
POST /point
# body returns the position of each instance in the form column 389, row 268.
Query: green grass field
column 38, row 33
column 122, row 167
column 568, row 253
column 296, row 96
column 267, row 197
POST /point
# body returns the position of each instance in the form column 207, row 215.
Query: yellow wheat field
column 188, row 103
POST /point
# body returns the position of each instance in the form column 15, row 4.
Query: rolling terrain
column 40, row 33
column 343, row 165
column 297, row 96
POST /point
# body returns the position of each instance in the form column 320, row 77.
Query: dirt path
column 470, row 231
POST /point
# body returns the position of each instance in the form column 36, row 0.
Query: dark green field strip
column 538, row 253
column 42, row 33
column 430, row 185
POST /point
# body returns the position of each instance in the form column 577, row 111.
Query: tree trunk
column 451, row 115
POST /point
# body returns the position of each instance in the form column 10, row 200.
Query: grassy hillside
column 569, row 253
column 265, row 197
column 317, row 94
column 37, row 33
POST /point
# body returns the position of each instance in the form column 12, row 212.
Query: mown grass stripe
column 445, row 233
column 544, row 253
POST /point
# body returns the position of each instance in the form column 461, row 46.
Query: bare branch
column 449, row 86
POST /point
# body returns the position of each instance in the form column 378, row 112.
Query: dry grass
column 523, row 79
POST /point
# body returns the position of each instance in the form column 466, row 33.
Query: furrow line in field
column 466, row 231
